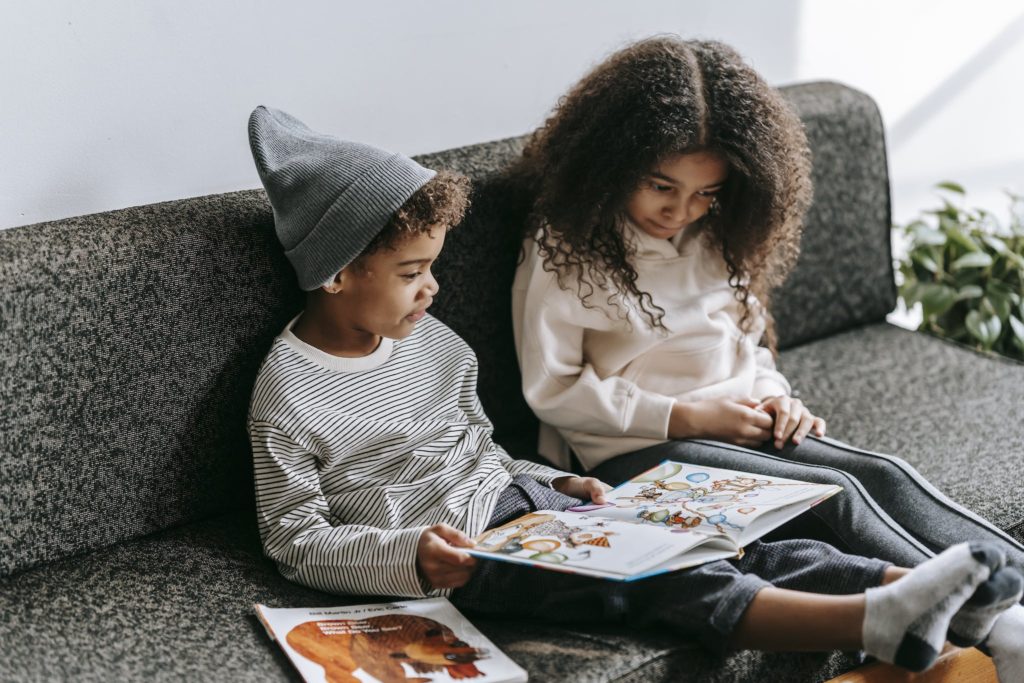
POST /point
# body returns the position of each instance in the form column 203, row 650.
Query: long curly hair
column 646, row 103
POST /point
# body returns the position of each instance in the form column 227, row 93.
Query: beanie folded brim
column 354, row 219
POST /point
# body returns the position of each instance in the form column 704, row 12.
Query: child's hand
column 439, row 562
column 585, row 488
column 736, row 421
column 792, row 419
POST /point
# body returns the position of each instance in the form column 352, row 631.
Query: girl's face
column 676, row 193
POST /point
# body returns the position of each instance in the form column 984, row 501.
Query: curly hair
column 651, row 101
column 441, row 202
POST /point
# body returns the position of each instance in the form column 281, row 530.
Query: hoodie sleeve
column 561, row 388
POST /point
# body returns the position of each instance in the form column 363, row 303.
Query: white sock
column 974, row 621
column 1006, row 645
column 905, row 622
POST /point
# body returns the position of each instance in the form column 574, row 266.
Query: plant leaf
column 957, row 235
column 937, row 299
column 974, row 259
column 985, row 329
column 924, row 234
column 951, row 186
column 925, row 261
column 996, row 244
column 1018, row 331
column 996, row 305
column 970, row 292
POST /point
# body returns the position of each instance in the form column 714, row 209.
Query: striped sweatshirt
column 355, row 457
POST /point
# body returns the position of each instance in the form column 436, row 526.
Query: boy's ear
column 337, row 283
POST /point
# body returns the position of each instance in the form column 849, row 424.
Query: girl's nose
column 683, row 211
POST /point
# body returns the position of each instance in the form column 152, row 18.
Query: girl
column 670, row 185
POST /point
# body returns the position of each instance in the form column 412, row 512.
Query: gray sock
column 1006, row 645
column 972, row 623
column 905, row 622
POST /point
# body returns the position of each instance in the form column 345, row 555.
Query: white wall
column 114, row 103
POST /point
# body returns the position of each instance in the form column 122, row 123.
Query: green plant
column 967, row 272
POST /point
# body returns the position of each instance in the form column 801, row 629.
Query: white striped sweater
column 354, row 457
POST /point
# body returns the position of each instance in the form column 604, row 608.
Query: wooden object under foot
column 953, row 666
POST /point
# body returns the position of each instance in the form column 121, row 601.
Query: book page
column 358, row 643
column 678, row 496
column 584, row 544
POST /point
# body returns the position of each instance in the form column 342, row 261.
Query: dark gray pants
column 704, row 603
column 886, row 510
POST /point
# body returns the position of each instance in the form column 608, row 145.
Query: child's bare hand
column 438, row 560
column 732, row 420
column 585, row 488
column 792, row 419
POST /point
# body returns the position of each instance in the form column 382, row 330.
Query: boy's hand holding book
column 438, row 559
column 585, row 488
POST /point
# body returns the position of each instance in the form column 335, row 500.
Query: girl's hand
column 792, row 419
column 439, row 562
column 736, row 421
column 585, row 488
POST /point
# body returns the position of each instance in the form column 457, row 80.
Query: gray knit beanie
column 330, row 197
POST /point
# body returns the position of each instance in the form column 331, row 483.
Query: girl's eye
column 708, row 193
column 658, row 187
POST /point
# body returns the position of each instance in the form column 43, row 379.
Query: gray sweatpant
column 887, row 509
column 704, row 603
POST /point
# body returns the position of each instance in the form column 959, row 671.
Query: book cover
column 420, row 641
column 671, row 517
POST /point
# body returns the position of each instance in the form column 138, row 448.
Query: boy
column 373, row 457
column 374, row 461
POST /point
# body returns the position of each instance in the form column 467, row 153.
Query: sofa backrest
column 129, row 340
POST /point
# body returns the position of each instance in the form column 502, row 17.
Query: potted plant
column 966, row 269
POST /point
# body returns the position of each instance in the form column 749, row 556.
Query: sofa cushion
column 128, row 346
column 844, row 275
column 178, row 606
column 951, row 412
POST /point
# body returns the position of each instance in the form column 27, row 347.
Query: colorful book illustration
column 409, row 640
column 671, row 517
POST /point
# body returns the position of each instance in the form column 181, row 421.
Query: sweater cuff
column 766, row 386
column 650, row 415
column 405, row 572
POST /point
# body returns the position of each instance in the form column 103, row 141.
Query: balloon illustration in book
column 380, row 646
column 692, row 501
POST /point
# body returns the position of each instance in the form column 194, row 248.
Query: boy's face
column 389, row 291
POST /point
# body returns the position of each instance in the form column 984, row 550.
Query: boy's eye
column 410, row 276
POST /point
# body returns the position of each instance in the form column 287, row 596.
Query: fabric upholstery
column 177, row 605
column 951, row 412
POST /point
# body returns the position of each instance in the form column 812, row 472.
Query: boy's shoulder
column 290, row 369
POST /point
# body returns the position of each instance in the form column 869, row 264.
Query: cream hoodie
column 604, row 385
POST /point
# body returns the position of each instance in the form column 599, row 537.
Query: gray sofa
column 129, row 341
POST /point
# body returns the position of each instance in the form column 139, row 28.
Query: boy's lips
column 417, row 316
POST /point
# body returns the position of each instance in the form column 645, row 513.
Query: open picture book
column 406, row 640
column 671, row 517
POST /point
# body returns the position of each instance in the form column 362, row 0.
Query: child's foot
column 905, row 622
column 972, row 623
column 1006, row 645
